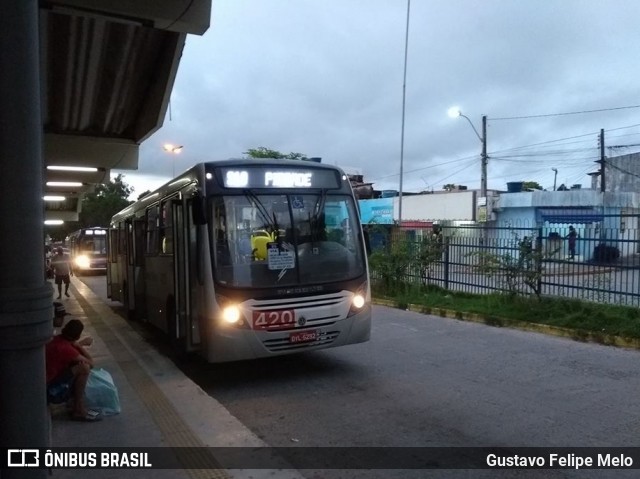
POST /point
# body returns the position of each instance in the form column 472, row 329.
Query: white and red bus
column 243, row 259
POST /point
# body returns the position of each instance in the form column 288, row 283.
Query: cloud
column 325, row 79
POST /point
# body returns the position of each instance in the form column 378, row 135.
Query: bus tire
column 177, row 344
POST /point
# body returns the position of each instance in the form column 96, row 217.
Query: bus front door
column 113, row 275
column 185, row 330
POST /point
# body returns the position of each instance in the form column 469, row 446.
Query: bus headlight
column 357, row 301
column 83, row 261
column 231, row 314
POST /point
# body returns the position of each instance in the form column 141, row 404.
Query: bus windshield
column 93, row 245
column 278, row 240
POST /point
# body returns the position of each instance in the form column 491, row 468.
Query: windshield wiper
column 264, row 213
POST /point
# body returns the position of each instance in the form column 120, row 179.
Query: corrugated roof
column 108, row 68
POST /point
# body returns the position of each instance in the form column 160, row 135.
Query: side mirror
column 198, row 210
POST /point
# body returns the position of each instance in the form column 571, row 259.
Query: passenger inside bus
column 259, row 241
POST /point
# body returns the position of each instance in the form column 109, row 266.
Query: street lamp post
column 174, row 150
column 455, row 112
column 555, row 176
column 404, row 95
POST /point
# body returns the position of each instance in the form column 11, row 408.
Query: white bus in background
column 88, row 250
column 244, row 259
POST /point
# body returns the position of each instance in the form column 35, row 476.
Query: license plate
column 268, row 320
column 303, row 336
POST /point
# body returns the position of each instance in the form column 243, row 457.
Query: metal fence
column 603, row 266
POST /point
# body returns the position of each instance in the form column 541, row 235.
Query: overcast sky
column 325, row 78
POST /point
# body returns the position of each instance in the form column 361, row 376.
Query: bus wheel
column 176, row 341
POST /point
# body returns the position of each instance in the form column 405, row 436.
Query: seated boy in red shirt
column 68, row 367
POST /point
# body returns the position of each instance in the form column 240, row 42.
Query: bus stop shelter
column 83, row 83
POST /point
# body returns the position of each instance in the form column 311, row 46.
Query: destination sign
column 274, row 177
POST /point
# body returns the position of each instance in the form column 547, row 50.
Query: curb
column 575, row 334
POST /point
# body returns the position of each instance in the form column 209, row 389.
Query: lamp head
column 172, row 148
column 454, row 112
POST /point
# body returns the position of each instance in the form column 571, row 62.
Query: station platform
column 161, row 407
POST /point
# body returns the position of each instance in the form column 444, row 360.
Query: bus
column 247, row 258
column 88, row 250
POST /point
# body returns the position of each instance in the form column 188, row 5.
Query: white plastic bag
column 101, row 394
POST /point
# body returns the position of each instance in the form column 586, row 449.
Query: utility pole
column 602, row 161
column 484, row 158
column 455, row 112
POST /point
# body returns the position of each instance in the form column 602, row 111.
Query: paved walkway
column 161, row 407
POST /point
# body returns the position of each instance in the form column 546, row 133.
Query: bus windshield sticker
column 280, row 259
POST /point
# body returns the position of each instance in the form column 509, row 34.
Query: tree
column 449, row 187
column 429, row 252
column 531, row 185
column 263, row 152
column 391, row 263
column 518, row 270
column 107, row 199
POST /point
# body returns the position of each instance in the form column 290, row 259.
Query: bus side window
column 166, row 228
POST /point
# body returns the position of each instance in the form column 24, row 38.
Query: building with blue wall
column 600, row 218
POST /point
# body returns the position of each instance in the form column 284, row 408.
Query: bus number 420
column 273, row 319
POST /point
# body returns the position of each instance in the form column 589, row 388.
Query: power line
column 579, row 176
column 454, row 173
column 564, row 162
column 564, row 114
column 622, row 136
column 544, row 153
column 426, row 167
column 621, row 169
column 623, row 127
column 547, row 143
column 544, row 143
column 623, row 146
column 550, row 143
column 563, row 139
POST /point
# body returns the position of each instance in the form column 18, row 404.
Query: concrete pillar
column 25, row 297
